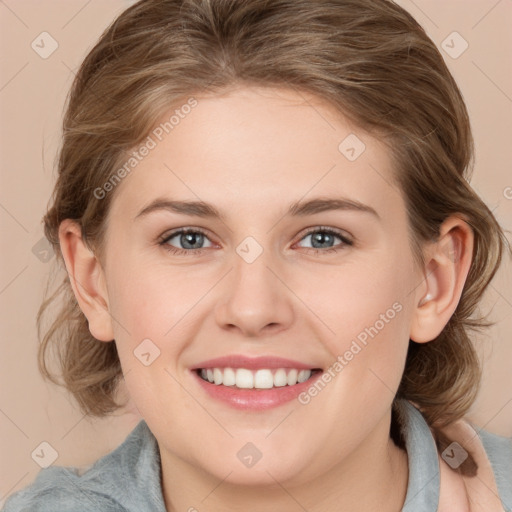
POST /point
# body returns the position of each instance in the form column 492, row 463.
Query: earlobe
column 447, row 266
column 87, row 280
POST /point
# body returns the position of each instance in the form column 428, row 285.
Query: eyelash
column 198, row 252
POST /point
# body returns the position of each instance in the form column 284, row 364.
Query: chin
column 269, row 474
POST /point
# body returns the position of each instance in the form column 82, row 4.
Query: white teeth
column 280, row 378
column 263, row 379
column 229, row 378
column 292, row 377
column 259, row 379
column 244, row 378
column 304, row 375
column 217, row 376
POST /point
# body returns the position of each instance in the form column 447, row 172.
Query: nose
column 255, row 299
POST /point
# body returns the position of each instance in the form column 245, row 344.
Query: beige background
column 32, row 93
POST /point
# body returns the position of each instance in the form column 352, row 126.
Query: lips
column 254, row 383
column 252, row 363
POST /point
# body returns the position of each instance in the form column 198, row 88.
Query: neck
column 373, row 476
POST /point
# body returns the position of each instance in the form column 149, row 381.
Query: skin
column 251, row 153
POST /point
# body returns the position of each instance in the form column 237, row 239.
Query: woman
column 264, row 213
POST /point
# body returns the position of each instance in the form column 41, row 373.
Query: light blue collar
column 424, row 477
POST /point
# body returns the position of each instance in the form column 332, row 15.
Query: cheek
column 369, row 310
column 151, row 331
column 156, row 308
column 152, row 299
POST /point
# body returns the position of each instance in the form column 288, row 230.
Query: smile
column 254, row 383
column 244, row 378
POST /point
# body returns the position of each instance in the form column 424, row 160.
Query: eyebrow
column 297, row 209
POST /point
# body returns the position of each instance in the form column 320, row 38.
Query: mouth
column 254, row 383
column 264, row 378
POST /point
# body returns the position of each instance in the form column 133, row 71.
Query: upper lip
column 252, row 363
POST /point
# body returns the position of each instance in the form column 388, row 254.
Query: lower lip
column 255, row 399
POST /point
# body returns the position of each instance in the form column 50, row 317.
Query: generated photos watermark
column 358, row 344
column 151, row 142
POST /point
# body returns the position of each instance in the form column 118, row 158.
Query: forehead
column 258, row 146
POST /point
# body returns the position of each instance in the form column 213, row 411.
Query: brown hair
column 368, row 58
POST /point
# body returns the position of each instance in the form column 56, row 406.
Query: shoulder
column 499, row 453
column 114, row 483
column 488, row 487
column 491, row 484
column 59, row 489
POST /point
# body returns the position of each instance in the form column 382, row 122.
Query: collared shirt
column 128, row 478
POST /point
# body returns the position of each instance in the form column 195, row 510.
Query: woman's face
column 308, row 260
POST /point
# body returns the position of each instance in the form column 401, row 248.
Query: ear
column 87, row 280
column 446, row 268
